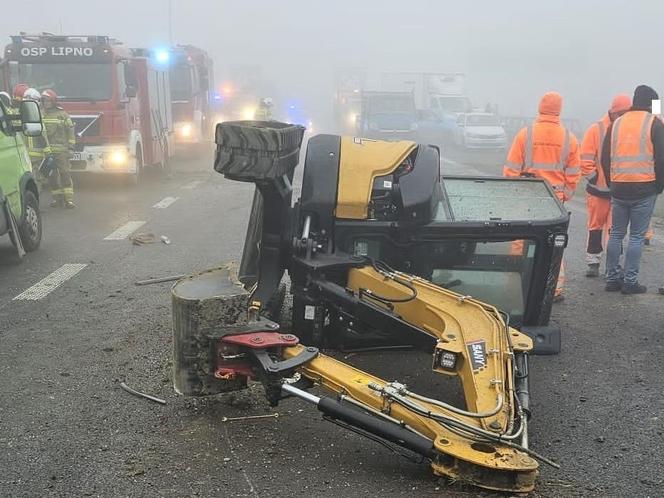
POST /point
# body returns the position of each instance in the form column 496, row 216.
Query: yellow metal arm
column 478, row 442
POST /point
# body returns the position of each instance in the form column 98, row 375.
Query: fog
column 511, row 52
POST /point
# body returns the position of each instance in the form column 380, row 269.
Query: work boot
column 635, row 288
column 558, row 298
column 613, row 286
column 593, row 270
column 70, row 205
column 646, row 242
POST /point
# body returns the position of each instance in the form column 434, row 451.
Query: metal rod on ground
column 141, row 395
column 159, row 280
column 249, row 417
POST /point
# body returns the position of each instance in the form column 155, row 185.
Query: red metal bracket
column 261, row 340
column 231, row 371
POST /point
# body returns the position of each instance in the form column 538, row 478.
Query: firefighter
column 547, row 150
column 61, row 140
column 14, row 110
column 36, row 145
column 264, row 111
column 598, row 194
column 17, row 94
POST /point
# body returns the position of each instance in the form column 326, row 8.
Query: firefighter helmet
column 49, row 94
column 19, row 91
column 32, row 94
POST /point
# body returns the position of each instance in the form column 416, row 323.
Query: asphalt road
column 67, row 429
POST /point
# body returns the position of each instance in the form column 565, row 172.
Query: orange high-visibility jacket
column 591, row 158
column 546, row 150
column 632, row 151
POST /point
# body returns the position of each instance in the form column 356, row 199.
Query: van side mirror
column 31, row 119
column 130, row 91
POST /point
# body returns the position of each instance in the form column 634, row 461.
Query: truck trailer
column 119, row 98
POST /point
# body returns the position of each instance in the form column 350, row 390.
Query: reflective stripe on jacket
column 632, row 151
column 591, row 158
column 37, row 145
column 546, row 150
column 59, row 129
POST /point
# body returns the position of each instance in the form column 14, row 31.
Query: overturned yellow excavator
column 381, row 251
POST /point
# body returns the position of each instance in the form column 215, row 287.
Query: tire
column 31, row 223
column 134, row 179
column 165, row 166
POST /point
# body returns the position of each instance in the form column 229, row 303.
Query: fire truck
column 119, row 98
column 192, row 83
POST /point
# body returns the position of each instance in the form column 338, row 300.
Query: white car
column 480, row 130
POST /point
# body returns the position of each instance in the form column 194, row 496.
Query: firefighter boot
column 58, row 201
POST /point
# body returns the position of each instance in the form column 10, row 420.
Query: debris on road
column 250, row 417
column 143, row 238
column 165, row 240
column 159, row 280
column 141, row 395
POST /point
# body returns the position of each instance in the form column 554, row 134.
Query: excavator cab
column 497, row 239
column 381, row 250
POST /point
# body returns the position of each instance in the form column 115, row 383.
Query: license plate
column 77, row 156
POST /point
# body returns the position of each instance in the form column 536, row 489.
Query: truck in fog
column 442, row 93
column 192, row 83
column 388, row 116
column 118, row 98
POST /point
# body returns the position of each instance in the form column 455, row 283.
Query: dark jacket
column 637, row 190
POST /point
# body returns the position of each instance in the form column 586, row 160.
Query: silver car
column 479, row 130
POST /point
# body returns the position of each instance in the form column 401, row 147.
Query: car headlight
column 186, row 129
column 248, row 113
column 118, row 157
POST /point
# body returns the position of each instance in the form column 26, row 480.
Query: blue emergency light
column 162, row 56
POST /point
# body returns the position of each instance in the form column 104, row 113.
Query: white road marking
column 125, row 230
column 192, row 185
column 165, row 202
column 45, row 286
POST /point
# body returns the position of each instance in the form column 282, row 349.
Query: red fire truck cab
column 118, row 98
column 192, row 83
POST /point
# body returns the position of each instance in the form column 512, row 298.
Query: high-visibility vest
column 632, row 151
column 596, row 180
column 546, row 165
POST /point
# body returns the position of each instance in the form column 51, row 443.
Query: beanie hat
column 643, row 97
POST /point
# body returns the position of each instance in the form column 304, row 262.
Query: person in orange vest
column 598, row 194
column 547, row 150
column 633, row 162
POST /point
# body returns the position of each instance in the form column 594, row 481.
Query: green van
column 19, row 195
